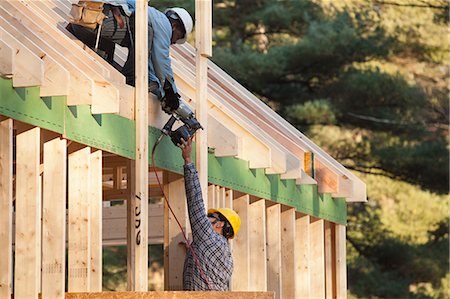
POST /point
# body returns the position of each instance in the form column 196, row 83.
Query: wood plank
column 330, row 260
column 288, row 253
column 29, row 70
column 172, row 295
column 175, row 251
column 6, row 208
column 257, row 239
column 95, row 221
column 317, row 260
column 28, row 215
column 303, row 257
column 140, row 201
column 7, row 63
column 273, row 231
column 55, row 77
column 79, row 252
column 341, row 263
column 54, row 219
column 240, row 280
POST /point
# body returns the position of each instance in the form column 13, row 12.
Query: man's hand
column 186, row 149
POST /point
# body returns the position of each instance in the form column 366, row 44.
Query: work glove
column 170, row 102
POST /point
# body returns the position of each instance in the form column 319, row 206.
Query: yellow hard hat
column 232, row 218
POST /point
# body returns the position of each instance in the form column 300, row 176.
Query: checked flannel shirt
column 211, row 249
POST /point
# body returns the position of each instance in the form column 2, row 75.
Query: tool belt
column 87, row 14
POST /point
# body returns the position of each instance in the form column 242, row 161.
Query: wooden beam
column 229, row 198
column 140, row 200
column 105, row 96
column 273, row 231
column 81, row 87
column 341, row 265
column 8, row 62
column 223, row 140
column 303, row 257
column 54, row 219
column 317, row 261
column 211, row 197
column 28, row 215
column 288, row 253
column 6, row 208
column 174, row 249
column 241, row 246
column 257, row 239
column 29, row 70
column 55, row 77
column 79, row 249
column 95, row 221
column 171, row 295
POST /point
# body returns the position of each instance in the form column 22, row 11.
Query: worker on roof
column 208, row 264
column 164, row 29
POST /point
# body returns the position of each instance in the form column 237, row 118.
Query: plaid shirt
column 212, row 250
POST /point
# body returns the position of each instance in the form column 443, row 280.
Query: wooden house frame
column 68, row 139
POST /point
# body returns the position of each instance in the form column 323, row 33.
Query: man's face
column 176, row 35
column 216, row 223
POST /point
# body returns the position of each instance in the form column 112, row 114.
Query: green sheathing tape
column 235, row 174
column 108, row 132
column 116, row 134
column 25, row 104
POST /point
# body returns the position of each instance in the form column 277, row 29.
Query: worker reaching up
column 208, row 264
column 164, row 29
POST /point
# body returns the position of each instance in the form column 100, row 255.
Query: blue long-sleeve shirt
column 159, row 62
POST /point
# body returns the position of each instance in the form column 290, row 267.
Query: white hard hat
column 185, row 19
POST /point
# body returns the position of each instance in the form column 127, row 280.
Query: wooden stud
column 330, row 260
column 140, row 200
column 6, row 208
column 341, row 266
column 257, row 239
column 79, row 236
column 28, row 215
column 54, row 219
column 288, row 253
column 176, row 251
column 273, row 231
column 241, row 246
column 131, row 260
column 95, row 221
column 211, row 197
column 303, row 257
column 317, row 261
column 229, row 198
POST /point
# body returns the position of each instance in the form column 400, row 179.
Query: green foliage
column 312, row 112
